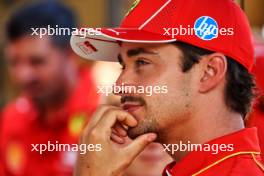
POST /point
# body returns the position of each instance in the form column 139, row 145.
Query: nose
column 126, row 81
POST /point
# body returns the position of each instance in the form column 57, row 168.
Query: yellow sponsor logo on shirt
column 15, row 157
column 76, row 123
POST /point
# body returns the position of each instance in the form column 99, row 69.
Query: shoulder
column 240, row 165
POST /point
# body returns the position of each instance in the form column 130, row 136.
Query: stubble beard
column 148, row 125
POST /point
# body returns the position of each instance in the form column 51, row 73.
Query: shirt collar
column 245, row 140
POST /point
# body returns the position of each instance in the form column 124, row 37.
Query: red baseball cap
column 218, row 25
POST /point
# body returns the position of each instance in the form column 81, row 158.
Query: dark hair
column 239, row 90
column 41, row 15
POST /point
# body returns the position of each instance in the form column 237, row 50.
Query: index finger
column 113, row 116
column 96, row 117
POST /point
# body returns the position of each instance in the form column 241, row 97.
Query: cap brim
column 105, row 45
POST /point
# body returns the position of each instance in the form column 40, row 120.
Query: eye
column 141, row 62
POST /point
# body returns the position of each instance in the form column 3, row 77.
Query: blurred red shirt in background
column 22, row 127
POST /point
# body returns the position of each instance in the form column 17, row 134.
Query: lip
column 32, row 88
column 32, row 91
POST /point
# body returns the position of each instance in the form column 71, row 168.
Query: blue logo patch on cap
column 206, row 28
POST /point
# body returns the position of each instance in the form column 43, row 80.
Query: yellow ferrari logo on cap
column 134, row 5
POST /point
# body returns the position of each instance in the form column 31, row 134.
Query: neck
column 207, row 124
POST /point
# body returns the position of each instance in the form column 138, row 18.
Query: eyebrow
column 135, row 52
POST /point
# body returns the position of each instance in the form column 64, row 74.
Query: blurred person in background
column 256, row 118
column 57, row 96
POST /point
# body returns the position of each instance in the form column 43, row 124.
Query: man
column 209, row 90
column 57, row 97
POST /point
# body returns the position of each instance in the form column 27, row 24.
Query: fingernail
column 152, row 137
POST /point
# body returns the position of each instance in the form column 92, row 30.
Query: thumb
column 139, row 144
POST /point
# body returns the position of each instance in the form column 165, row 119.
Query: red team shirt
column 23, row 127
column 244, row 160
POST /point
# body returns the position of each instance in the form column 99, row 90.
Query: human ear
column 214, row 67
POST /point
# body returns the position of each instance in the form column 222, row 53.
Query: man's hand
column 108, row 127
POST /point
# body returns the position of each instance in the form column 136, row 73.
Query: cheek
column 171, row 107
column 149, row 75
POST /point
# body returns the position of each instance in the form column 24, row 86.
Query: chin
column 135, row 132
column 142, row 128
